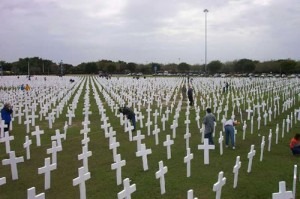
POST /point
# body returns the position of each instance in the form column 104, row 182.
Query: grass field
column 277, row 165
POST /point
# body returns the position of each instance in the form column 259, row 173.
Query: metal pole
column 28, row 69
column 61, row 68
column 205, row 11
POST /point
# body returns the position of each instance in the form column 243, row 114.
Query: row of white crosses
column 249, row 161
column 43, row 170
column 83, row 172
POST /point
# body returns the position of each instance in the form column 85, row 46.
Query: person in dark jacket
column 190, row 95
column 129, row 114
column 6, row 113
column 209, row 126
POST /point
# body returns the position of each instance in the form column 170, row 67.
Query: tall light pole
column 61, row 68
column 28, row 68
column 205, row 12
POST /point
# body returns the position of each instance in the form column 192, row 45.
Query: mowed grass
column 263, row 180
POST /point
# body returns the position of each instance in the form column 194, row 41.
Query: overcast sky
column 144, row 31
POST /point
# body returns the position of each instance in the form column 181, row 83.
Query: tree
column 131, row 66
column 244, row 66
column 214, row 66
column 111, row 68
column 287, row 66
column 91, row 68
column 183, row 67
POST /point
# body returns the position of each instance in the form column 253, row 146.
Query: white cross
column 156, row 131
column 283, row 193
column 84, row 157
column 80, row 180
column 262, row 146
column 33, row 117
column 47, row 171
column 295, row 180
column 50, row 119
column 2, row 126
column 57, row 137
column 148, row 124
column 283, row 124
column 167, row 112
column 143, row 153
column 155, row 114
column 53, row 150
column 114, row 146
column 105, row 125
column 118, row 167
column 128, row 190
column 168, row 144
column 270, row 140
column 2, row 181
column 161, row 175
column 7, row 138
column 265, row 118
column 190, row 194
column 65, row 130
column 187, row 159
column 173, row 127
column 37, row 133
column 26, row 145
column 19, row 115
column 251, row 154
column 85, row 140
column 87, row 113
column 187, row 136
column 236, row 168
column 206, row 147
column 13, row 161
column 70, row 115
column 187, row 122
column 197, row 120
column 221, row 138
column 140, row 118
column 129, row 129
column 138, row 138
column 270, row 114
column 218, row 185
column 27, row 122
column 163, row 120
column 31, row 194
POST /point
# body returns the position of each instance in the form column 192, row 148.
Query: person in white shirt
column 229, row 132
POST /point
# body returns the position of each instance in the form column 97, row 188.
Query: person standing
column 190, row 96
column 6, row 113
column 129, row 114
column 209, row 123
column 229, row 132
column 295, row 144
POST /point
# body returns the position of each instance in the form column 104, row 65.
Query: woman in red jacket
column 295, row 144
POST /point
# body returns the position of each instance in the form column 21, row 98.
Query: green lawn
column 276, row 166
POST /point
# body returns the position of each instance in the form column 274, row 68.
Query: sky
column 145, row 31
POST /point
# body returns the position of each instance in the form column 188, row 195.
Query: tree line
column 39, row 66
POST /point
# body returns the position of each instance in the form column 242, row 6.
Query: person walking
column 209, row 123
column 129, row 113
column 229, row 132
column 6, row 113
column 190, row 96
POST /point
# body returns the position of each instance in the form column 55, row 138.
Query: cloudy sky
column 144, row 31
